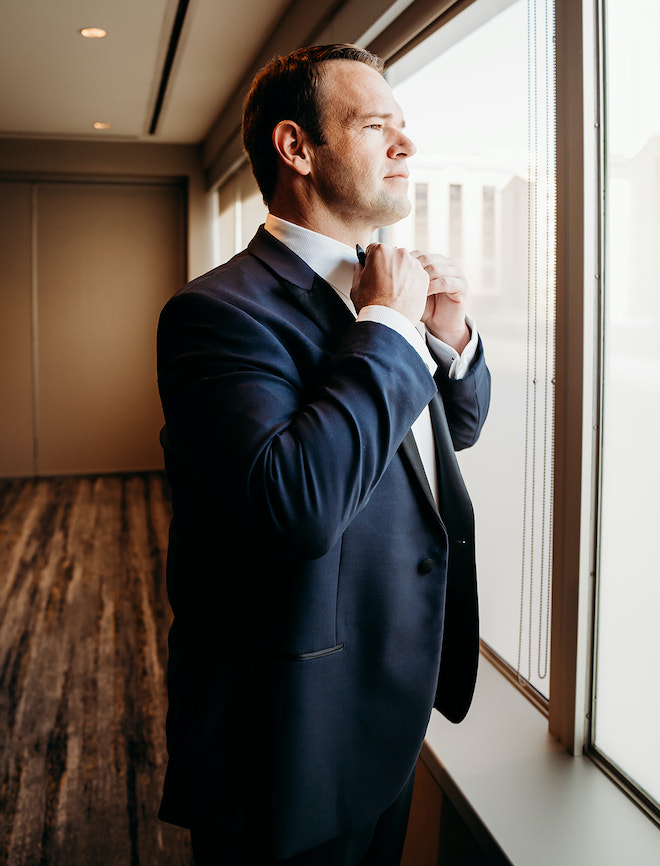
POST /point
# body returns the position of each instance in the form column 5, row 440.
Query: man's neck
column 324, row 223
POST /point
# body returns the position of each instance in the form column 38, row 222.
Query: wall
column 36, row 158
column 95, row 238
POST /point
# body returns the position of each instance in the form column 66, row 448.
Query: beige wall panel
column 109, row 257
column 16, row 425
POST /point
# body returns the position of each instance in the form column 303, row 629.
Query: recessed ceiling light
column 93, row 32
column 101, row 125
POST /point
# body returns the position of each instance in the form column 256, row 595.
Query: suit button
column 426, row 566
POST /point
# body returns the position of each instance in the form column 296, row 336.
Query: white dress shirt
column 334, row 262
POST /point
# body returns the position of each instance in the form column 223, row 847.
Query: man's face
column 360, row 174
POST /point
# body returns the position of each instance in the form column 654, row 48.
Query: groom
column 321, row 560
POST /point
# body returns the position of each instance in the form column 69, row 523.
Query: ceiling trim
column 177, row 27
column 417, row 22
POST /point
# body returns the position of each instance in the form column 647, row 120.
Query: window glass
column 227, row 217
column 422, row 215
column 627, row 693
column 241, row 211
column 486, row 157
column 253, row 209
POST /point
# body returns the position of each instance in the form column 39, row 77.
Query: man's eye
column 375, row 126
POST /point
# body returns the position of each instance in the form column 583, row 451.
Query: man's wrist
column 458, row 339
column 455, row 363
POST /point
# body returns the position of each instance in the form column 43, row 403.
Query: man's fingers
column 391, row 278
column 444, row 274
column 448, row 285
column 437, row 266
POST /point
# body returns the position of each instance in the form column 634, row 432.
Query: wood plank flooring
column 83, row 631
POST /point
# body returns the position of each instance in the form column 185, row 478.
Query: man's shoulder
column 264, row 263
column 252, row 284
column 222, row 277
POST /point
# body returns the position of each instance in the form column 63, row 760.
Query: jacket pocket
column 301, row 657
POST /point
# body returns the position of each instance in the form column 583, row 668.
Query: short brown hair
column 287, row 88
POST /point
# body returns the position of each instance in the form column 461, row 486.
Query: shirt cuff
column 457, row 365
column 398, row 322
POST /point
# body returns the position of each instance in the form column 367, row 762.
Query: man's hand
column 391, row 277
column 444, row 315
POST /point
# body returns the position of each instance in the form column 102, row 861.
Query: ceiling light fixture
column 101, row 125
column 93, row 32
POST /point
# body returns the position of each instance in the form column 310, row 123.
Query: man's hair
column 288, row 88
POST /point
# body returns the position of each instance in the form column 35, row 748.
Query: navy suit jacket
column 322, row 604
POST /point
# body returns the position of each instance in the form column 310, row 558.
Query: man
column 321, row 560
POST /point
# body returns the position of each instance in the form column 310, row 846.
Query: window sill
column 522, row 796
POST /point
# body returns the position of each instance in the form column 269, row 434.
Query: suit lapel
column 451, row 485
column 410, row 452
column 323, row 306
column 312, row 293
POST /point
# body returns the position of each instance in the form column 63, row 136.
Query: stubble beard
column 350, row 200
column 382, row 209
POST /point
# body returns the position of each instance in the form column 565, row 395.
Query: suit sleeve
column 287, row 439
column 466, row 401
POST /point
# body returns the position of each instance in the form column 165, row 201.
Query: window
column 564, row 482
column 422, row 215
column 478, row 67
column 455, row 245
column 627, row 689
column 240, row 212
column 488, row 237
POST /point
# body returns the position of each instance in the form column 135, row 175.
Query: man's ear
column 290, row 142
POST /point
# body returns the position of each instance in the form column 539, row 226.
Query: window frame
column 576, row 403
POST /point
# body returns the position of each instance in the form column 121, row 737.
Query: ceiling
column 57, row 84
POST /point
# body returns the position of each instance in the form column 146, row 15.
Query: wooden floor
column 83, row 629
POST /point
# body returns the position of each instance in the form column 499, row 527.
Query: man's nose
column 403, row 147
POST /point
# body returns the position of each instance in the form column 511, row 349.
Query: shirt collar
column 330, row 259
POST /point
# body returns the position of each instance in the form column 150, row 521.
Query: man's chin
column 394, row 212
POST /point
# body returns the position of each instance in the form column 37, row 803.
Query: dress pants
column 377, row 844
